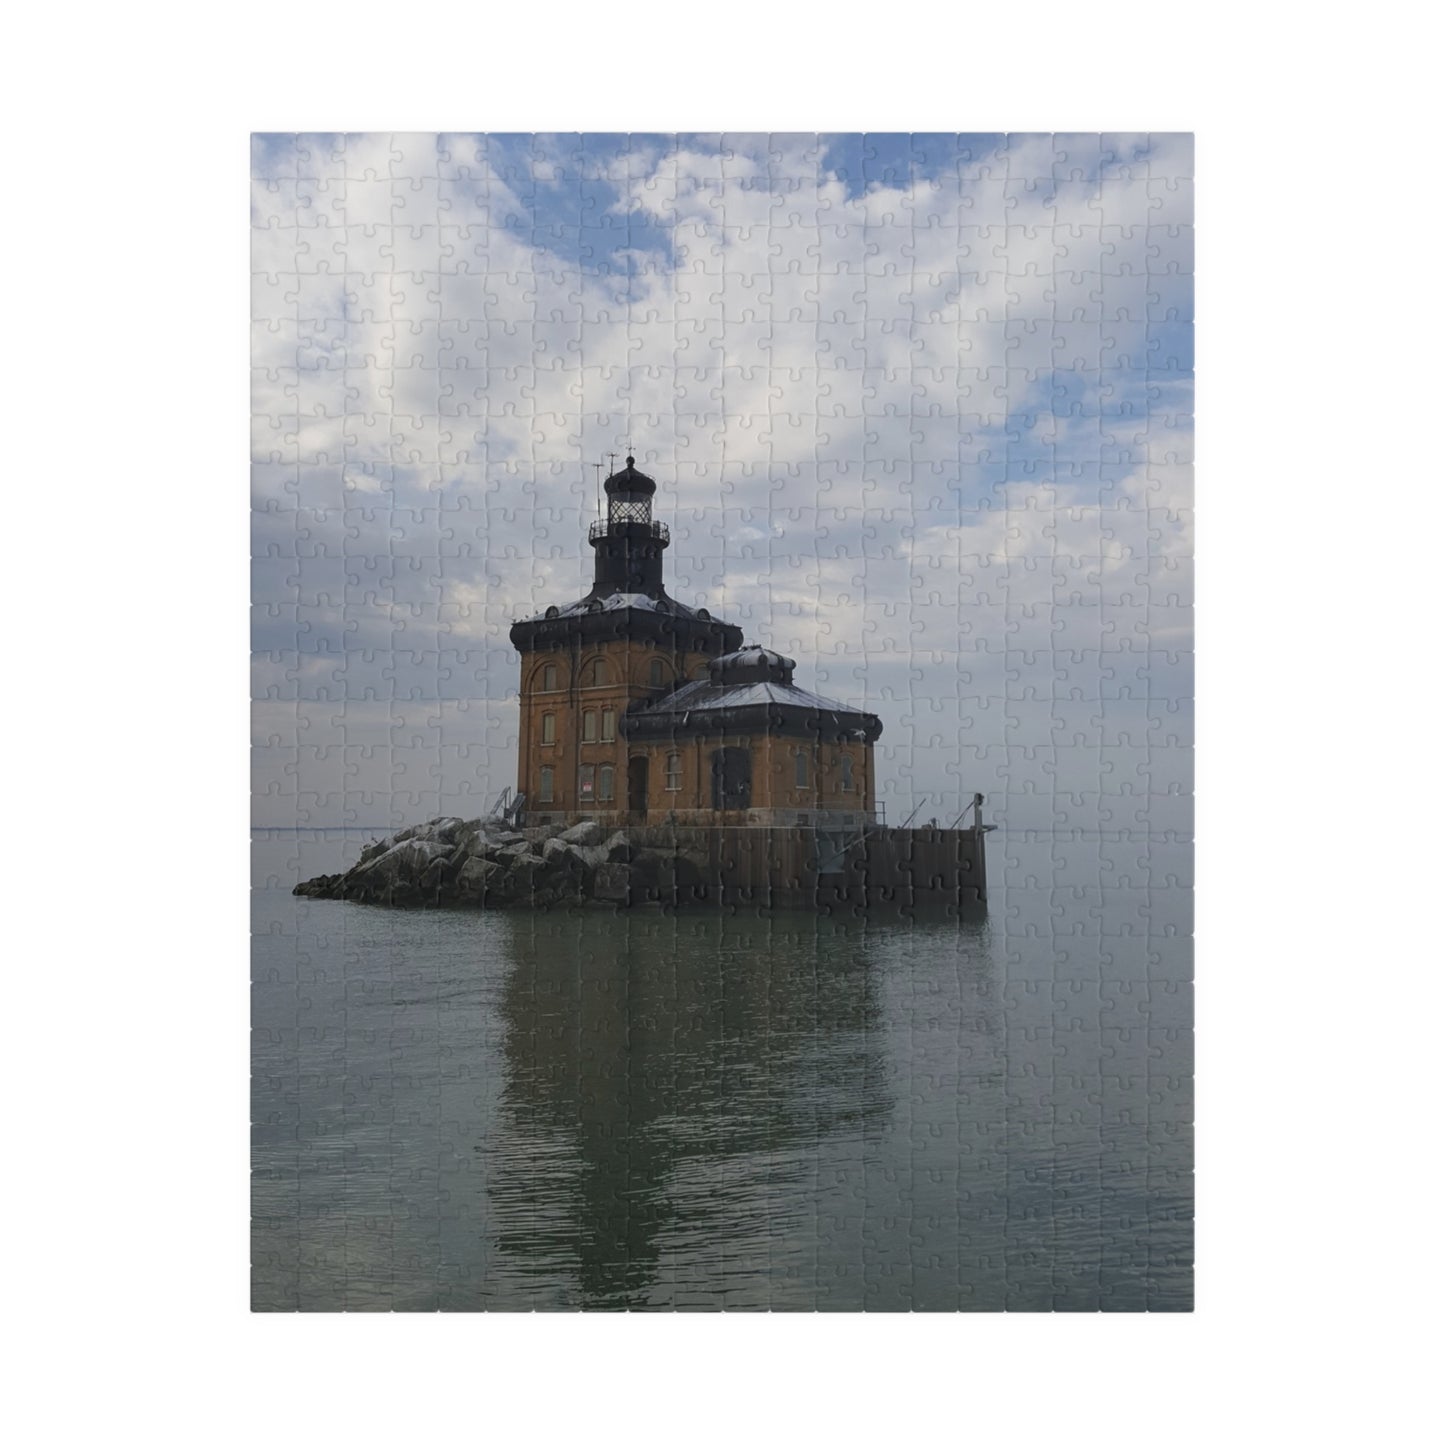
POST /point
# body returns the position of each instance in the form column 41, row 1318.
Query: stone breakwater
column 481, row 863
column 486, row 864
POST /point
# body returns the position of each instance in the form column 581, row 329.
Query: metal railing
column 610, row 529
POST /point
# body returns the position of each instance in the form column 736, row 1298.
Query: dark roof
column 749, row 691
column 629, row 479
column 636, row 615
column 618, row 601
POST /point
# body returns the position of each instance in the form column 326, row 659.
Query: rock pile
column 482, row 863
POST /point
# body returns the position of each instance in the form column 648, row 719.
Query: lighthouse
column 636, row 708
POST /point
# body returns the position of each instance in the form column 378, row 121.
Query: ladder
column 508, row 809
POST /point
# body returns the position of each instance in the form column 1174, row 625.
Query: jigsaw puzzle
column 722, row 722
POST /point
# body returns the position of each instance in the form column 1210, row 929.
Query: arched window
column 589, row 726
column 604, row 783
column 700, row 672
column 845, row 763
column 800, row 769
column 656, row 673
column 587, row 782
column 549, row 677
column 549, row 729
column 672, row 777
column 609, row 725
column 596, row 672
column 544, row 786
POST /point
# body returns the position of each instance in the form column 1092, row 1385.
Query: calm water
column 464, row 1111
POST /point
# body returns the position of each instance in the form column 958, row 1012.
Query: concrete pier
column 873, row 868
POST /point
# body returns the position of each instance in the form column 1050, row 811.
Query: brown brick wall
column 627, row 678
column 774, row 785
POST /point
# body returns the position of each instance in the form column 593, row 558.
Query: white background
column 127, row 410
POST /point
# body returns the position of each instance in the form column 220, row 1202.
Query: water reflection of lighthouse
column 673, row 1081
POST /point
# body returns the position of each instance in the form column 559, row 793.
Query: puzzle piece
column 916, row 412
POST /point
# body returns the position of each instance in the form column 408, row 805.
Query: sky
column 920, row 410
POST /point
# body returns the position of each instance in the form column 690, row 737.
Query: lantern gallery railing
column 615, row 528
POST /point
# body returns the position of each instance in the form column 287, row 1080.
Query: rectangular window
column 587, row 782
column 544, row 786
column 549, row 678
column 673, row 776
column 800, row 769
column 549, row 729
column 846, row 764
column 589, row 727
column 609, row 726
column 604, row 783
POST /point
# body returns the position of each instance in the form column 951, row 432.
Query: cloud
column 920, row 415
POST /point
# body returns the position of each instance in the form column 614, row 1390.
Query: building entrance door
column 732, row 778
column 637, row 786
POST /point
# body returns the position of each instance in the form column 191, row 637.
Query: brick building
column 636, row 708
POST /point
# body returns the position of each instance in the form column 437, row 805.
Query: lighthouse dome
column 629, row 482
